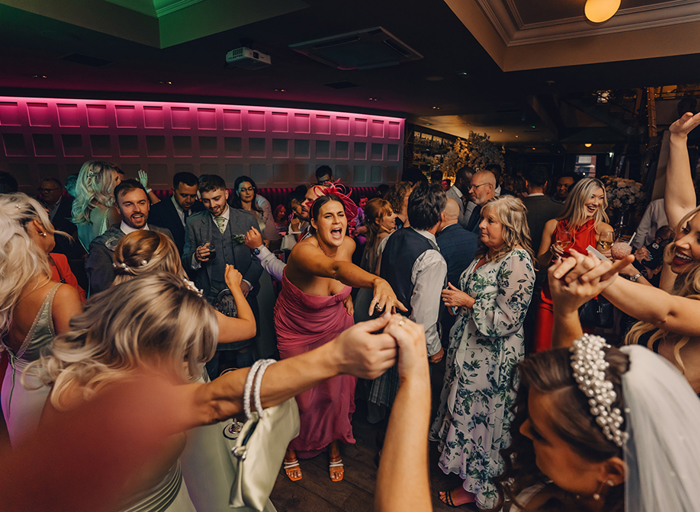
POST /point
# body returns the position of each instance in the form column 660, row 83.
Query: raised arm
column 402, row 481
column 679, row 195
column 243, row 327
column 355, row 351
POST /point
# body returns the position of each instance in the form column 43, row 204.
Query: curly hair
column 21, row 259
column 154, row 320
column 686, row 285
column 95, row 183
column 550, row 373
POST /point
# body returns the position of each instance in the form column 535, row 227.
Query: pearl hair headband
column 589, row 365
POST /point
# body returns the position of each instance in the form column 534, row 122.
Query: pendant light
column 599, row 11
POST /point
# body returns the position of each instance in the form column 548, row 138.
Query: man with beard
column 214, row 239
column 133, row 205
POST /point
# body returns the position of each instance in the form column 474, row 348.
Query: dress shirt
column 428, row 277
column 54, row 209
column 271, row 263
column 535, row 194
column 126, row 229
column 654, row 218
column 179, row 210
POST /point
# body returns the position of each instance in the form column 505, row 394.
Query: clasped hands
column 576, row 280
column 453, row 297
column 364, row 352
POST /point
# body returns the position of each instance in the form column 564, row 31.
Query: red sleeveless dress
column 544, row 321
column 304, row 322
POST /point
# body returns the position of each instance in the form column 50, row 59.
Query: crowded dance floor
column 333, row 269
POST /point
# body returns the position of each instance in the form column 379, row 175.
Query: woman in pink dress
column 310, row 311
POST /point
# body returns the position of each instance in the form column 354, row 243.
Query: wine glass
column 564, row 239
column 606, row 240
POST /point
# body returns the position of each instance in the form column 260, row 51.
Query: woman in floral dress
column 486, row 342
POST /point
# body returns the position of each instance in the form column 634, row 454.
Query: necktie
column 220, row 223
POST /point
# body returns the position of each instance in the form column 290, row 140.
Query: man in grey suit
column 460, row 193
column 214, row 238
column 132, row 202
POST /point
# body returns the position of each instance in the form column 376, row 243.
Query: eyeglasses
column 46, row 190
column 249, row 189
column 477, row 186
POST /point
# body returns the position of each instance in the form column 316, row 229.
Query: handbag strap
column 253, row 384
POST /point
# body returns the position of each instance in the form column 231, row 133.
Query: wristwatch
column 256, row 251
column 635, row 277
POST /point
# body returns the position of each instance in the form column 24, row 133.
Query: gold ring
column 401, row 322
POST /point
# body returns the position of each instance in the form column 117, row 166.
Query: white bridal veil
column 663, row 451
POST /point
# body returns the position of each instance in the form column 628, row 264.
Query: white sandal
column 290, row 465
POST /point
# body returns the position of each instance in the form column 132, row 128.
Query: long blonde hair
column 686, row 285
column 574, row 209
column 21, row 259
column 95, row 183
column 154, row 320
column 143, row 252
column 512, row 214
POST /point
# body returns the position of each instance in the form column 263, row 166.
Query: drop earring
column 596, row 495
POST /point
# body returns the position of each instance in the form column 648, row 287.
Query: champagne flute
column 606, row 240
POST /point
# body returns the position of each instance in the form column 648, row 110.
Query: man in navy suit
column 173, row 213
column 458, row 247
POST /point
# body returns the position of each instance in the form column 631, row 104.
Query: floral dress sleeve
column 501, row 308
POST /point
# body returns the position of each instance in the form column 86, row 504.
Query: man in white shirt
column 132, row 202
column 654, row 218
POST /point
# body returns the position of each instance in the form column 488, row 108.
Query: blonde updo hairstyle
column 686, row 285
column 574, row 209
column 155, row 321
column 512, row 214
column 95, row 183
column 21, row 259
column 143, row 252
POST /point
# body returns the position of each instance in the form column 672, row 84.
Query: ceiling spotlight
column 516, row 136
column 533, row 149
column 40, row 76
column 599, row 11
column 436, row 108
column 280, row 90
column 500, row 131
column 588, row 144
column 373, row 99
column 165, row 82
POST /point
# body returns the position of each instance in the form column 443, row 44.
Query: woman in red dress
column 310, row 311
column 582, row 223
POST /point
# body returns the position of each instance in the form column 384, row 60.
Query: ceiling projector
column 247, row 58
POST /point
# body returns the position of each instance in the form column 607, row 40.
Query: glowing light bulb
column 599, row 11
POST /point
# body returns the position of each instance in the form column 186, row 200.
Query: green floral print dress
column 486, row 342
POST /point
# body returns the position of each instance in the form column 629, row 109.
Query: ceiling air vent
column 86, row 60
column 363, row 49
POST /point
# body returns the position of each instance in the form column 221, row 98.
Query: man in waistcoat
column 414, row 267
column 214, row 238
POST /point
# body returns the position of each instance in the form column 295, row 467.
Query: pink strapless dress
column 304, row 322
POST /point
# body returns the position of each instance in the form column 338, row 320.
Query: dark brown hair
column 550, row 373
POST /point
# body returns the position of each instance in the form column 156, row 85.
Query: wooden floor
column 315, row 492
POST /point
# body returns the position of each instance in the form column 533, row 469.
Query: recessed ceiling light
column 373, row 99
column 588, row 144
column 165, row 82
column 500, row 131
column 40, row 76
column 534, row 149
column 516, row 136
column 434, row 78
column 280, row 90
column 436, row 108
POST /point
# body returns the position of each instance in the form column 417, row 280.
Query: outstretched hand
column 685, row 124
column 384, row 298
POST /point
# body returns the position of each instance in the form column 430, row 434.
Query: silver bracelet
column 635, row 277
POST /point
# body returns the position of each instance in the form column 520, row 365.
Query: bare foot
column 457, row 497
column 336, row 469
column 291, row 465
